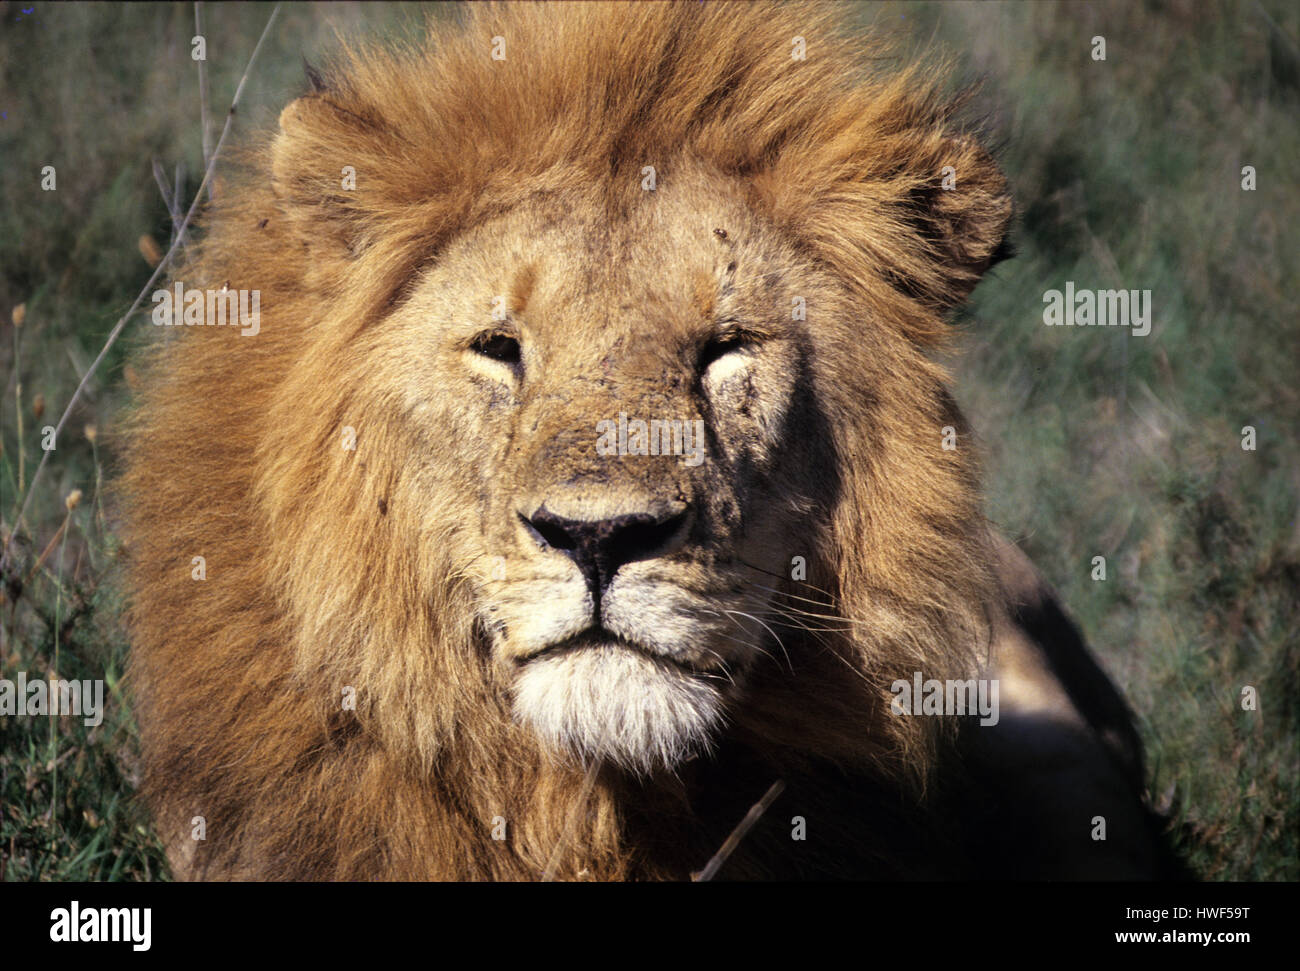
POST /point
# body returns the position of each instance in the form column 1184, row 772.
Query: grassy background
column 1126, row 173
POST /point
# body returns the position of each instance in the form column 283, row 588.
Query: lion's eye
column 499, row 347
column 721, row 346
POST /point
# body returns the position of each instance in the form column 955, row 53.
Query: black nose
column 601, row 546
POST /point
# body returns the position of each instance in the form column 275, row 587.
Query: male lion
column 584, row 478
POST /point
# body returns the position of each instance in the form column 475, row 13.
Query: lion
column 583, row 482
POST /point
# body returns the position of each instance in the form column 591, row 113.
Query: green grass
column 99, row 91
column 1126, row 173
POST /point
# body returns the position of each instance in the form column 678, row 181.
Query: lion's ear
column 962, row 211
column 921, row 210
column 314, row 172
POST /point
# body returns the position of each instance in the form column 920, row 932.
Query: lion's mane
column 317, row 581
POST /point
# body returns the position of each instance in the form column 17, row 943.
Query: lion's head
column 596, row 410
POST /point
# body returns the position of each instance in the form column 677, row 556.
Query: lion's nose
column 600, row 547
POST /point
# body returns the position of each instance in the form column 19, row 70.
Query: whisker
column 779, row 643
column 784, row 578
column 820, row 616
column 796, row 624
column 787, row 593
column 747, row 643
column 726, row 671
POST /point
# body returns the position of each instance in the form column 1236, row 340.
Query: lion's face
column 623, row 401
column 523, row 451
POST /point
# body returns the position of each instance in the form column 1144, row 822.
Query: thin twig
column 54, row 719
column 170, row 201
column 45, row 554
column 18, row 414
column 203, row 90
column 714, row 865
column 169, row 198
column 1280, row 32
column 158, row 271
column 178, row 190
column 165, row 191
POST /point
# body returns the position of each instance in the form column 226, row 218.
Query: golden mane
column 315, row 582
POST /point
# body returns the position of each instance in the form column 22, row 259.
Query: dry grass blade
column 729, row 845
column 45, row 553
column 153, row 279
column 589, row 780
column 203, row 93
column 170, row 199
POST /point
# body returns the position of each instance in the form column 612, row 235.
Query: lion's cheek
column 751, row 408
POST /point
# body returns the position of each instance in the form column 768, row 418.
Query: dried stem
column 203, row 92
column 54, row 671
column 729, row 846
column 158, row 271
column 18, row 414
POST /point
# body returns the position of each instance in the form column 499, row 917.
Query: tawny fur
column 234, row 453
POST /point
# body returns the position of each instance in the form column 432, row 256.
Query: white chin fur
column 616, row 704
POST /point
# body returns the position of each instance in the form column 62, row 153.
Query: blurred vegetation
column 1127, row 173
